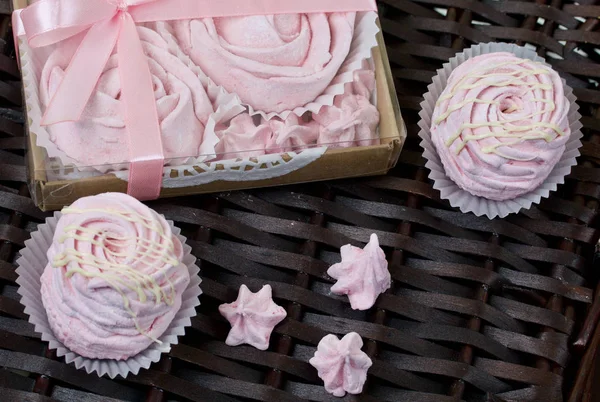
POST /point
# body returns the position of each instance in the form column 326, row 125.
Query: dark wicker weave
column 479, row 309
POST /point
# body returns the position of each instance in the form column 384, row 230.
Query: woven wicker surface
column 479, row 309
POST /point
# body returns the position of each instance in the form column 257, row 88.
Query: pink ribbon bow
column 111, row 23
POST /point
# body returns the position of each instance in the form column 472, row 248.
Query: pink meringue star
column 252, row 317
column 362, row 275
column 341, row 364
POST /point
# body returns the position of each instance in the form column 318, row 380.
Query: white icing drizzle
column 460, row 105
column 474, row 74
column 118, row 275
column 520, row 133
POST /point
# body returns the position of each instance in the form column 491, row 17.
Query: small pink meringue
column 272, row 62
column 364, row 83
column 252, row 317
column 243, row 139
column 362, row 275
column 341, row 364
column 351, row 121
column 292, row 134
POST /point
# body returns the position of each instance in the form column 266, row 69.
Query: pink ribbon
column 111, row 23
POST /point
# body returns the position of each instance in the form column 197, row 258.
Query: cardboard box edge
column 392, row 143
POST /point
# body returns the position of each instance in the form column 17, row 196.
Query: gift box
column 164, row 98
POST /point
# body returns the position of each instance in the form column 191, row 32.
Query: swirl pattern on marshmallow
column 114, row 279
column 182, row 103
column 274, row 63
column 500, row 125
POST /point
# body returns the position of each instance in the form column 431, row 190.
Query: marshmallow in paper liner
column 464, row 200
column 32, row 263
column 363, row 41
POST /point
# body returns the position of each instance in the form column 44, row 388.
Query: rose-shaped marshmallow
column 500, row 125
column 243, row 138
column 274, row 63
column 182, row 104
column 351, row 121
column 114, row 279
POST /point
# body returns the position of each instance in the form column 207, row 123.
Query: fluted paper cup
column 464, row 200
column 32, row 263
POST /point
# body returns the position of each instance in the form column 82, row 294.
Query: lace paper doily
column 250, row 169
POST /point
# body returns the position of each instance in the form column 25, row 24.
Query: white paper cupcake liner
column 32, row 263
column 464, row 200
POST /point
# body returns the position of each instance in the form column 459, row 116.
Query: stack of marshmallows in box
column 225, row 88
